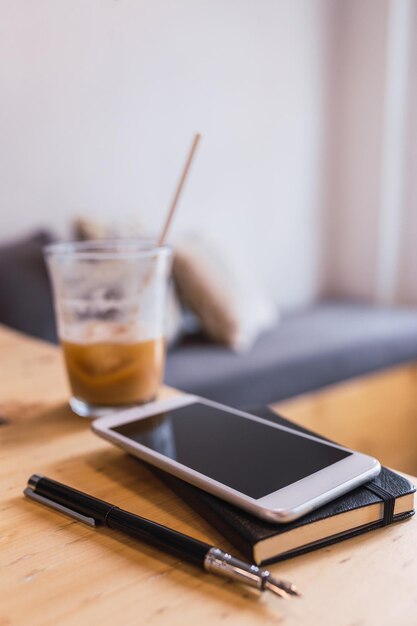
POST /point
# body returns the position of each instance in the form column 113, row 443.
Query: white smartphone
column 274, row 472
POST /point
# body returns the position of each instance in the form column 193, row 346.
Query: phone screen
column 248, row 456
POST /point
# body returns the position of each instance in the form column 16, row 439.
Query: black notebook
column 357, row 512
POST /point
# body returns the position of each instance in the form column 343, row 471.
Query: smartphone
column 274, row 472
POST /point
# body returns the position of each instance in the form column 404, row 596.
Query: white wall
column 370, row 218
column 100, row 99
column 407, row 287
column 356, row 103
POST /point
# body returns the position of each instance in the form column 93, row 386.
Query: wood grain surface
column 376, row 414
column 55, row 571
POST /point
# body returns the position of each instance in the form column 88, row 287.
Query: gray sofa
column 310, row 348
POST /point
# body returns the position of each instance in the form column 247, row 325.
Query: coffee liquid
column 110, row 373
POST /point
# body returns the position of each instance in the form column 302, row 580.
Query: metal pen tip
column 227, row 566
column 281, row 588
column 270, row 585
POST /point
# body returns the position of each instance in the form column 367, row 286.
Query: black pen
column 92, row 511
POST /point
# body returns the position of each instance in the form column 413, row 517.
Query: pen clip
column 30, row 493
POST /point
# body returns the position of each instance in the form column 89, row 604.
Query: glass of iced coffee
column 110, row 308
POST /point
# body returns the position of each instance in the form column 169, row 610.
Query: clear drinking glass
column 110, row 308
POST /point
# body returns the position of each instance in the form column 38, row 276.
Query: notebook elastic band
column 389, row 502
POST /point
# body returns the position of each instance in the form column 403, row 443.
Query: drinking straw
column 179, row 189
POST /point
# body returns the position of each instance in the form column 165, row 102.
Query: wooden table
column 375, row 414
column 54, row 571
